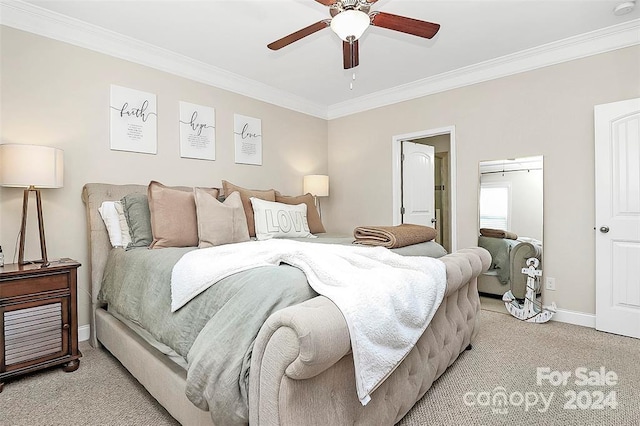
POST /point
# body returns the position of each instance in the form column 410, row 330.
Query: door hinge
column 402, row 157
column 401, row 210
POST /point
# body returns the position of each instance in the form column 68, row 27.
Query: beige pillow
column 173, row 216
column 313, row 217
column 124, row 227
column 220, row 223
column 245, row 194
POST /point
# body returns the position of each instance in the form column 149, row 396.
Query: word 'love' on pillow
column 277, row 220
column 313, row 217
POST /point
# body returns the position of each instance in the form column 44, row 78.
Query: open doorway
column 443, row 142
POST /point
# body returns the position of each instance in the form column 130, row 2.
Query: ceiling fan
column 350, row 19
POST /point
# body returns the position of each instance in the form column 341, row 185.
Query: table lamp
column 318, row 186
column 32, row 167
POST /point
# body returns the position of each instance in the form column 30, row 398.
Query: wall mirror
column 510, row 199
column 511, row 195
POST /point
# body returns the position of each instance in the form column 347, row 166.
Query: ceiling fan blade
column 327, row 2
column 404, row 25
column 350, row 54
column 287, row 40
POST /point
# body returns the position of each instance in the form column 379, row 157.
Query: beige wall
column 546, row 112
column 57, row 94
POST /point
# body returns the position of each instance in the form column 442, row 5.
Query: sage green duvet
column 215, row 331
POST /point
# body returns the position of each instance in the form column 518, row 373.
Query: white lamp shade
column 317, row 185
column 26, row 165
column 350, row 23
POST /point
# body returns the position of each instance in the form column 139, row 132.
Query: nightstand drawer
column 34, row 284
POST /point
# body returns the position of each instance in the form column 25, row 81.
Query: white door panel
column 418, row 183
column 617, row 127
column 626, row 291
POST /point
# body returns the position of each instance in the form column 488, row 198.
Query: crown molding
column 37, row 20
column 580, row 46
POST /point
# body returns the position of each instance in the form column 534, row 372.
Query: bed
column 301, row 364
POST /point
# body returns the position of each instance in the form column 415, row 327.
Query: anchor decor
column 531, row 310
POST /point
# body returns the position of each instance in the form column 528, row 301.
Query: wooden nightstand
column 38, row 318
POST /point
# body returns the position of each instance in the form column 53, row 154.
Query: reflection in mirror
column 510, row 221
column 511, row 196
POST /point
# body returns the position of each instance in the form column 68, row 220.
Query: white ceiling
column 232, row 36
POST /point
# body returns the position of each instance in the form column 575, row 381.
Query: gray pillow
column 138, row 215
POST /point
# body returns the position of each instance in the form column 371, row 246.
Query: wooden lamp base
column 23, row 228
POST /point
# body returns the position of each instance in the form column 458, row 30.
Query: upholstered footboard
column 302, row 371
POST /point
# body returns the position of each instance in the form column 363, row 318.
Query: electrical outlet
column 550, row 283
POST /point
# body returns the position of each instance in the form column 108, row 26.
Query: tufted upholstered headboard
column 93, row 194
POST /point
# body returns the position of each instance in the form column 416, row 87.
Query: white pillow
column 114, row 219
column 278, row 220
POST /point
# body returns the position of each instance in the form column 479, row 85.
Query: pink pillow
column 173, row 215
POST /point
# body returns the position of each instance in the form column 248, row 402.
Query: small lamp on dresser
column 31, row 167
column 318, row 186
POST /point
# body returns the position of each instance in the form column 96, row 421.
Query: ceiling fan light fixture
column 349, row 25
column 624, row 8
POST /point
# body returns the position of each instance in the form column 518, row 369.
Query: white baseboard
column 84, row 332
column 576, row 318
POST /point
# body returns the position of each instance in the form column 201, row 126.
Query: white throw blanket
column 387, row 299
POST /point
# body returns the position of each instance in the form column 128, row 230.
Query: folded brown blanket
column 393, row 236
column 498, row 233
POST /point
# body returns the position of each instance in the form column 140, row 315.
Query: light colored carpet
column 506, row 354
column 99, row 392
column 493, row 304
